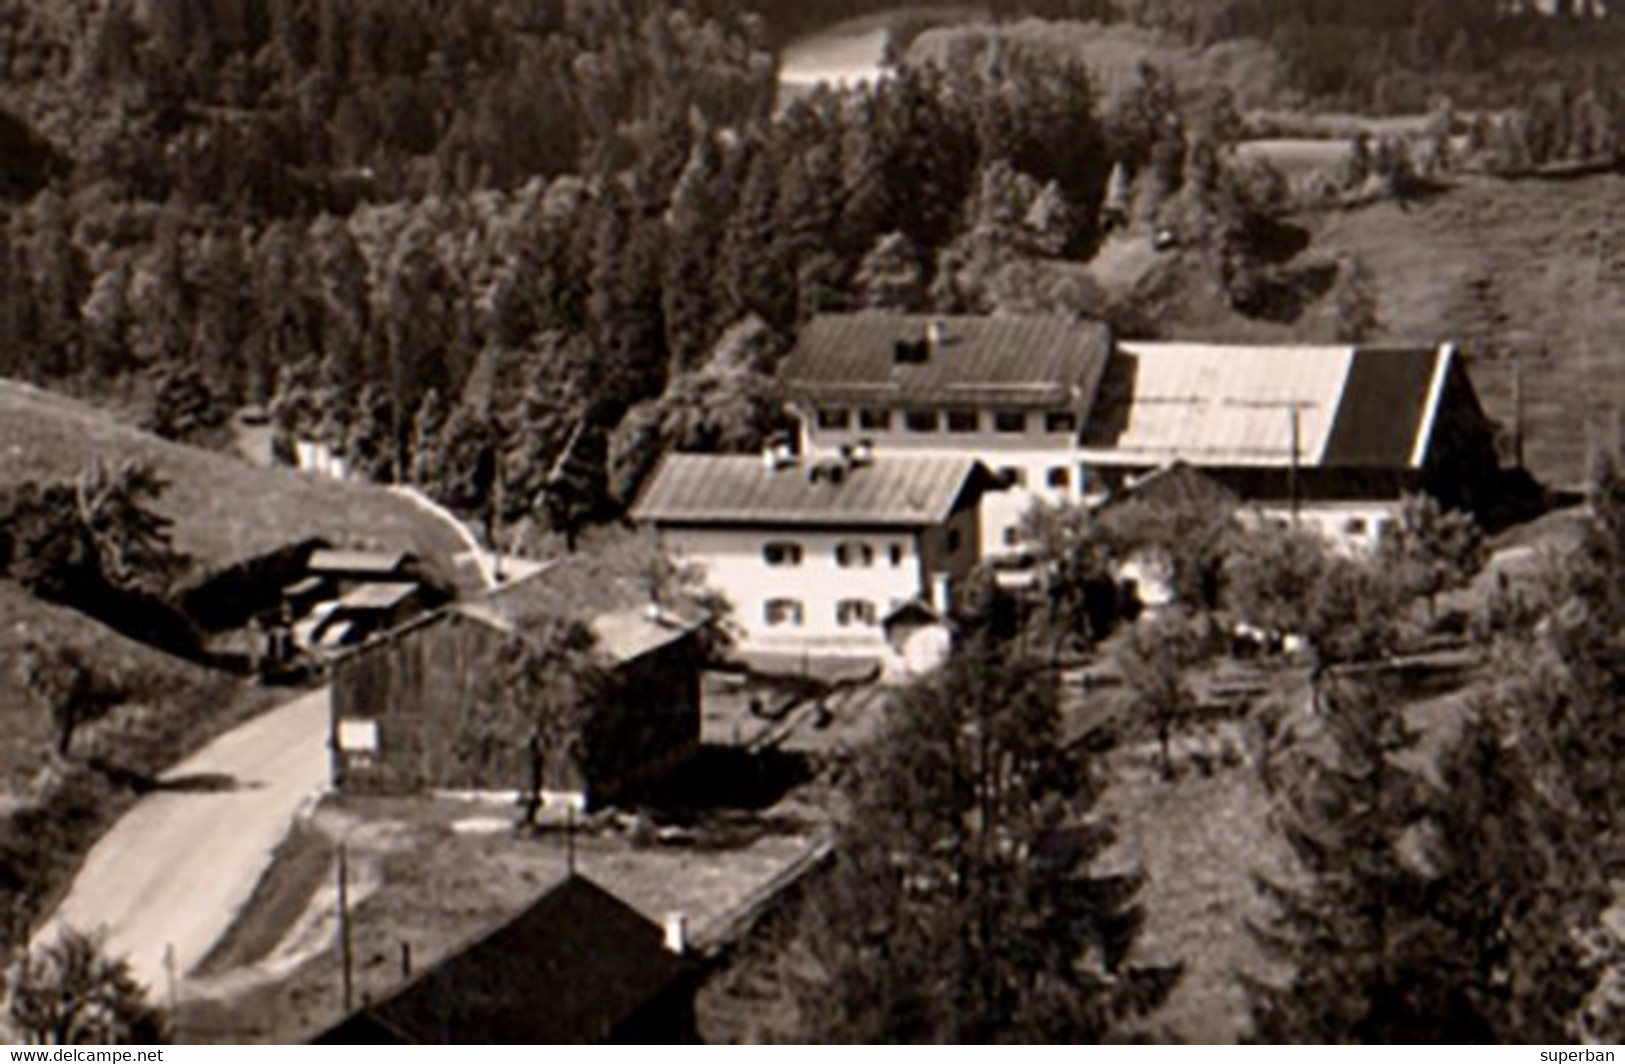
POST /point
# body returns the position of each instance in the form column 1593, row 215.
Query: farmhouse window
column 896, row 555
column 1060, row 477
column 1064, row 421
column 782, row 613
column 834, row 418
column 1013, row 476
column 855, row 612
column 782, row 554
column 961, row 421
column 953, row 541
column 876, row 420
column 854, row 555
column 1010, row 421
column 921, row 420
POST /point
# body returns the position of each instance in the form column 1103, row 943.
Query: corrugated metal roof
column 378, row 596
column 891, row 490
column 1026, row 360
column 355, row 561
column 1217, row 404
column 580, row 587
column 629, row 634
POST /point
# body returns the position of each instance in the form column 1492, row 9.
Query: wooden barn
column 1336, row 435
column 579, row 966
column 408, row 708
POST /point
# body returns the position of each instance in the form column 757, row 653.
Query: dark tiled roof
column 890, row 490
column 1177, row 484
column 1383, row 409
column 1021, row 360
column 572, row 968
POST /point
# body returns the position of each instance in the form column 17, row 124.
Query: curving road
column 176, row 869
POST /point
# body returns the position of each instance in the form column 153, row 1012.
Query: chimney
column 776, row 454
column 935, row 334
column 676, row 929
column 941, row 593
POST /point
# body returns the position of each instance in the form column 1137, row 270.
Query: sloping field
column 1532, row 271
column 1529, row 271
column 225, row 510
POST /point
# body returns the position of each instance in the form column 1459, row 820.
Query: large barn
column 407, row 709
column 1338, row 433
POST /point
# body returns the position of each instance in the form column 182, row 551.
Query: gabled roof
column 570, row 969
column 612, row 603
column 1176, row 484
column 356, row 561
column 1020, row 361
column 378, row 596
column 1232, row 405
column 888, row 491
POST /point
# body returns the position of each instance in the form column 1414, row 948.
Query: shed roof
column 571, row 968
column 1024, row 361
column 356, row 561
column 615, row 606
column 895, row 491
column 1232, row 405
column 1176, row 484
column 630, row 634
column 378, row 596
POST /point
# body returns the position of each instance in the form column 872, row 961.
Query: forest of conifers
column 445, row 235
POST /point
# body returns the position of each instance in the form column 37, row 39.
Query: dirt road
column 175, row 870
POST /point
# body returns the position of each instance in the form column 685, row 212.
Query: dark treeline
column 498, row 228
column 1399, row 55
column 1384, row 56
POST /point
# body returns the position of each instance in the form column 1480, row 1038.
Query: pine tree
column 699, row 210
column 1370, row 961
column 371, row 445
column 1516, row 880
column 892, row 276
column 428, row 459
column 183, row 406
column 468, row 472
column 963, row 905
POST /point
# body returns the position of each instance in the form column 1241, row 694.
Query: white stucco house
column 1012, row 392
column 815, row 555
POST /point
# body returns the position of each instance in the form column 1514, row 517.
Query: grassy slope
column 1532, row 270
column 225, row 510
column 24, row 728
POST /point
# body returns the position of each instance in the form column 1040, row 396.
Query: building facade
column 813, row 555
column 1011, row 392
column 1330, row 438
column 406, row 709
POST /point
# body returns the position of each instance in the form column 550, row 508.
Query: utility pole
column 174, row 996
column 346, row 960
column 1293, row 473
column 570, row 837
column 1517, row 411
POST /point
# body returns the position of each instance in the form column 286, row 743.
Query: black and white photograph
column 689, row 522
